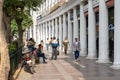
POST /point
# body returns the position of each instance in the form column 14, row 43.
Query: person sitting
column 31, row 44
column 40, row 53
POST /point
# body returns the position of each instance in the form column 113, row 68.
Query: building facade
column 91, row 21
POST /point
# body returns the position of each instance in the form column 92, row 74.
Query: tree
column 27, row 22
column 18, row 10
column 4, row 58
column 13, row 9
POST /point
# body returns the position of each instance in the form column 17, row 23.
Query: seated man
column 40, row 53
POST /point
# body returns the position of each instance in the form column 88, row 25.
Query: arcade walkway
column 65, row 68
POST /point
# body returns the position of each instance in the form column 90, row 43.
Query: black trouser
column 43, row 56
column 54, row 53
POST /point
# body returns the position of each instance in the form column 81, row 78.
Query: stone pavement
column 65, row 68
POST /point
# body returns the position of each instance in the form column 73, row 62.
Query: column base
column 103, row 61
column 69, row 51
column 83, row 53
column 91, row 57
column 115, row 66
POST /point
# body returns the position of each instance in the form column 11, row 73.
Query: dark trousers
column 54, row 53
column 47, row 46
column 31, row 48
column 76, row 54
column 43, row 56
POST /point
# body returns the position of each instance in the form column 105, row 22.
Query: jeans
column 43, row 56
column 31, row 48
column 76, row 54
column 47, row 46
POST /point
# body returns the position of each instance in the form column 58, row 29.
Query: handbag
column 57, row 52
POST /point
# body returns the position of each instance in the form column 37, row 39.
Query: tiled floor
column 65, row 68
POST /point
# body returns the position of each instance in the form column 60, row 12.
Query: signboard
column 111, row 27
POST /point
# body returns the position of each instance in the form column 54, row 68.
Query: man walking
column 76, row 49
column 54, row 48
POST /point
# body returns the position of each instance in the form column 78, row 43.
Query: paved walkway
column 65, row 68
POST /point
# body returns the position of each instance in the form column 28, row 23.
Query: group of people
column 75, row 46
column 37, row 53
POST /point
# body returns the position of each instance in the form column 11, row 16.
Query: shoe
column 75, row 60
column 44, row 62
column 51, row 59
column 34, row 71
column 55, row 59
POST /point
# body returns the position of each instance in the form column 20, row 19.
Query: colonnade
column 62, row 26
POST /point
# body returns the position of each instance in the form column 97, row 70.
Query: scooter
column 28, row 66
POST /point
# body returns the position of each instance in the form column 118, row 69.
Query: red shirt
column 28, row 58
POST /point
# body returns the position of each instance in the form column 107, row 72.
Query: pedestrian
column 54, row 48
column 42, row 43
column 50, row 42
column 36, row 58
column 65, row 45
column 76, row 49
column 47, row 44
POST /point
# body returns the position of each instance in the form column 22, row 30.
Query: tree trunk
column 6, row 23
column 4, row 58
column 20, row 31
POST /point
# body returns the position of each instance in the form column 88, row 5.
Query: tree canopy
column 19, row 10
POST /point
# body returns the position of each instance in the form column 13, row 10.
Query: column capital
column 90, row 0
column 74, row 8
column 82, row 2
column 68, row 11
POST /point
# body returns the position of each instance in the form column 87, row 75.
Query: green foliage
column 19, row 11
column 14, row 28
column 27, row 21
column 17, row 8
column 13, row 47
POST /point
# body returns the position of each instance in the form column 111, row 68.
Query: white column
column 69, row 31
column 83, row 34
column 41, row 29
column 75, row 24
column 91, row 31
column 30, row 32
column 103, row 33
column 38, row 34
column 53, row 28
column 60, row 32
column 64, row 26
column 46, row 31
column 50, row 30
column 56, row 28
column 34, row 26
column 116, row 63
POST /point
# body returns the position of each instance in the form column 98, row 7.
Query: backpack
column 54, row 45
